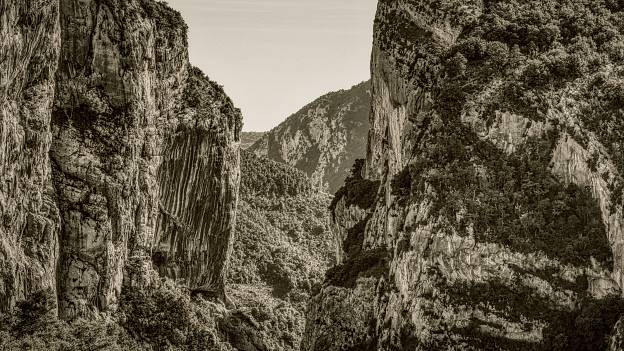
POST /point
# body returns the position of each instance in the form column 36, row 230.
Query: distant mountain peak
column 324, row 138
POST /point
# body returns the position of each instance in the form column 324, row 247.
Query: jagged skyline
column 273, row 57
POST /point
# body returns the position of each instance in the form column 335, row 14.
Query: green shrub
column 166, row 317
column 512, row 199
column 206, row 97
column 588, row 328
column 167, row 19
column 34, row 326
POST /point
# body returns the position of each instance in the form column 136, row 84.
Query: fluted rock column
column 29, row 219
column 199, row 179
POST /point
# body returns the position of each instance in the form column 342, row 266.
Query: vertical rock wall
column 448, row 286
column 199, row 179
column 119, row 79
column 29, row 218
column 94, row 113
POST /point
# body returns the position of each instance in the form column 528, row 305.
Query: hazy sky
column 275, row 56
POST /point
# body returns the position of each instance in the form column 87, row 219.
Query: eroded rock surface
column 29, row 216
column 497, row 219
column 199, row 181
column 111, row 146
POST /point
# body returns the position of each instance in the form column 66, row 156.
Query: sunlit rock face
column 497, row 220
column 117, row 89
column 105, row 127
column 323, row 138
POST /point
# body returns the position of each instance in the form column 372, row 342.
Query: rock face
column 114, row 98
column 199, row 180
column 105, row 132
column 497, row 219
column 323, row 138
column 30, row 220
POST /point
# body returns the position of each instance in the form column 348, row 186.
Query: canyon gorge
column 470, row 196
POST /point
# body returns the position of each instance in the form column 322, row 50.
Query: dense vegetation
column 283, row 242
column 547, row 47
column 281, row 252
column 210, row 101
column 529, row 53
column 261, row 176
column 161, row 318
column 557, row 63
column 283, row 247
column 509, row 199
column 250, row 138
column 585, row 326
column 169, row 24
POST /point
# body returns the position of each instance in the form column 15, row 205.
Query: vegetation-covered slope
column 281, row 251
column 283, row 247
column 323, row 138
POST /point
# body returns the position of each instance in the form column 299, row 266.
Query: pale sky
column 275, row 56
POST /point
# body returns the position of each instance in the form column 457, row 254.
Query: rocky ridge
column 323, row 138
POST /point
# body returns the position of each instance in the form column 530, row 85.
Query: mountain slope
column 323, row 138
column 494, row 150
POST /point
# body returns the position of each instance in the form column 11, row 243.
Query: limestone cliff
column 30, row 227
column 199, row 179
column 323, row 138
column 112, row 146
column 495, row 144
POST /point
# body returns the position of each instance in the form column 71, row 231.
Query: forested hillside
column 283, row 247
column 249, row 138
